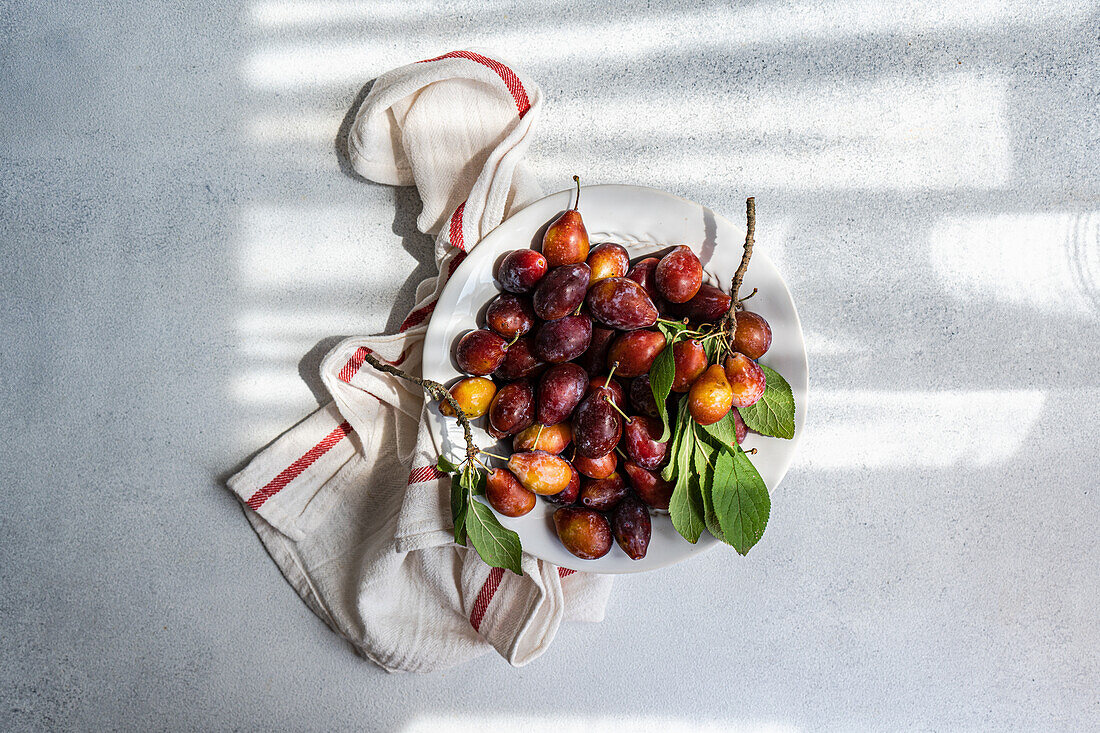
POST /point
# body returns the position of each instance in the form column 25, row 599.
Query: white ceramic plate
column 643, row 220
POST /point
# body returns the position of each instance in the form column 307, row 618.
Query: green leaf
column 669, row 472
column 705, row 457
column 445, row 465
column 685, row 507
column 661, row 375
column 498, row 547
column 459, row 504
column 741, row 500
column 473, row 480
column 773, row 413
column 671, row 329
column 724, row 432
column 695, row 493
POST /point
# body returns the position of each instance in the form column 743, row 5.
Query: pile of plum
column 564, row 361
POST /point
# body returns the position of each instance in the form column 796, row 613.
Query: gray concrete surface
column 180, row 242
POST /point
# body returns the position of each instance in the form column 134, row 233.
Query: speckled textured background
column 181, row 243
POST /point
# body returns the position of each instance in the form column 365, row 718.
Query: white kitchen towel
column 348, row 502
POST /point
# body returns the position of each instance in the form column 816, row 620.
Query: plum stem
column 494, row 455
column 611, row 374
column 436, row 390
column 703, row 338
column 615, row 407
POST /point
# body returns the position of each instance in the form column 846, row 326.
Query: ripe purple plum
column 740, row 428
column 520, row 361
column 654, row 490
column 513, row 407
column 506, row 494
column 753, row 336
column 584, row 532
column 564, row 339
column 607, row 260
column 690, row 361
column 598, row 467
column 521, row 270
column 603, row 494
column 621, row 303
column 709, row 305
column 746, row 379
column 561, row 387
column 632, row 527
column 640, row 435
column 597, row 426
column 561, row 291
column 634, row 352
column 642, row 273
column 510, row 315
column 480, row 352
column 612, row 386
column 679, row 275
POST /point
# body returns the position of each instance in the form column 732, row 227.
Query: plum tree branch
column 436, row 390
column 750, row 232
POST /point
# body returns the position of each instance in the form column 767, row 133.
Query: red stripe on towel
column 455, row 263
column 418, row 316
column 424, row 473
column 456, row 227
column 294, row 470
column 485, row 597
column 355, row 363
column 515, row 86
